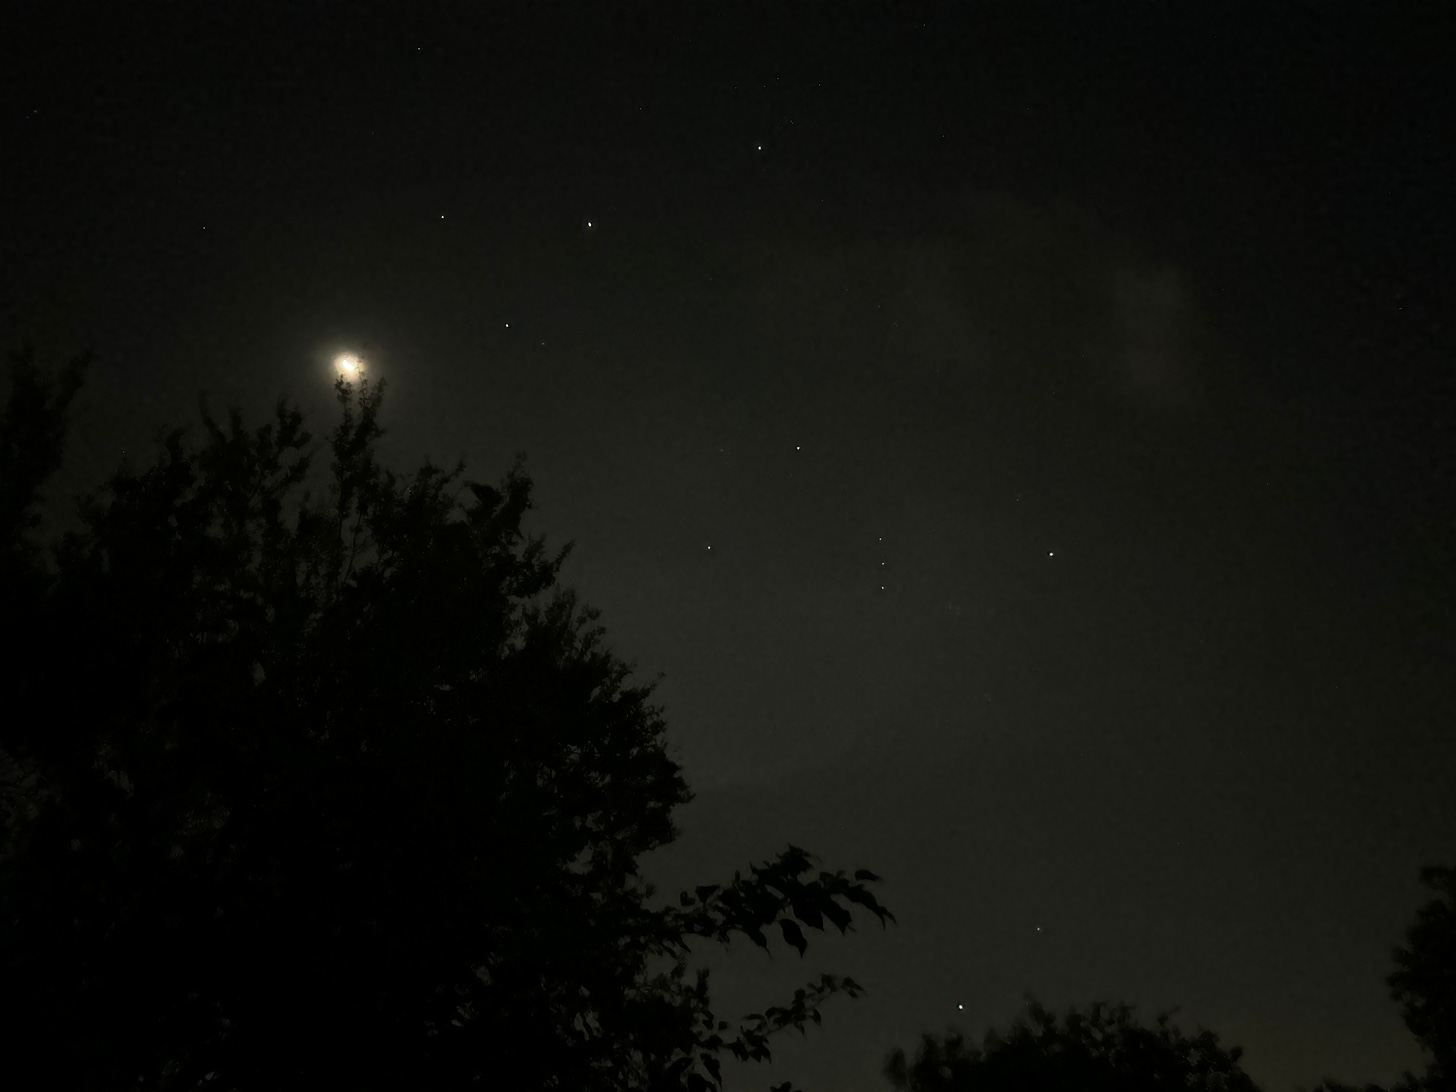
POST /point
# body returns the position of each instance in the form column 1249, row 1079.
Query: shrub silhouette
column 1102, row 1050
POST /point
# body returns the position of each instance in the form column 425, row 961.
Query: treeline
column 348, row 791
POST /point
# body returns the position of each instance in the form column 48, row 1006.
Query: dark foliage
column 32, row 441
column 341, row 792
column 1424, row 980
column 1101, row 1050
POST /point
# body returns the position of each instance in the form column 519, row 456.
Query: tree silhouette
column 32, row 441
column 1424, row 980
column 1424, row 985
column 341, row 792
column 1101, row 1050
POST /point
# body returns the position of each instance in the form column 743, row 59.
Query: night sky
column 1020, row 436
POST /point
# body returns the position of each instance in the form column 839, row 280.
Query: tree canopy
column 1423, row 983
column 341, row 790
column 1101, row 1050
column 1424, row 980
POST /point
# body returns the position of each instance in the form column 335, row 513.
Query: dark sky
column 1022, row 437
